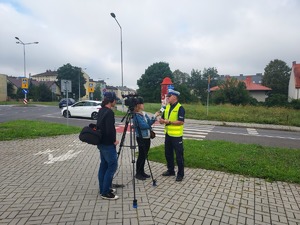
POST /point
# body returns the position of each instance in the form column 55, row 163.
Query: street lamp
column 22, row 43
column 114, row 16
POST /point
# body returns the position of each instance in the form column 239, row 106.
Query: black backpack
column 90, row 134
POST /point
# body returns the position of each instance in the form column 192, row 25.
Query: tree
column 150, row 82
column 72, row 73
column 180, row 77
column 232, row 91
column 276, row 76
column 97, row 92
column 10, row 90
column 44, row 93
column 195, row 82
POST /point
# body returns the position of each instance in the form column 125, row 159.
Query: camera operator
column 108, row 152
column 142, row 124
column 173, row 118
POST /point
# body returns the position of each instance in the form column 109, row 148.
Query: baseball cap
column 110, row 96
column 173, row 92
column 140, row 100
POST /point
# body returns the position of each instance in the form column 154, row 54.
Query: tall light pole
column 24, row 44
column 114, row 16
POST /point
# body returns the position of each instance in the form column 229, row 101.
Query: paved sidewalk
column 54, row 181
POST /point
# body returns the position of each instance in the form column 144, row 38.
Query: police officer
column 173, row 118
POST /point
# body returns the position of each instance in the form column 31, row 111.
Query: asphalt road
column 266, row 137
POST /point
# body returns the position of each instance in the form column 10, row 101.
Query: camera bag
column 90, row 134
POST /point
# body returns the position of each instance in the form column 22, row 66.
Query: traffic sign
column 25, row 101
column 25, row 91
column 25, row 83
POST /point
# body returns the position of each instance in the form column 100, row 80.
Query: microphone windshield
column 162, row 109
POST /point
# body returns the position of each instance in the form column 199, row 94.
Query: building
column 17, row 83
column 3, row 87
column 294, row 83
column 257, row 91
column 46, row 76
column 256, row 79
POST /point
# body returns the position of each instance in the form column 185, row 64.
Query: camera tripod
column 129, row 121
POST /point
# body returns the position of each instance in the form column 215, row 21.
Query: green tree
column 150, row 82
column 44, row 93
column 276, row 76
column 10, row 90
column 72, row 73
column 195, row 82
column 180, row 77
column 97, row 92
column 232, row 91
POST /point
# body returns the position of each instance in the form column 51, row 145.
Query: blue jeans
column 108, row 167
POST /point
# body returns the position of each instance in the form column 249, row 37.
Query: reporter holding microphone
column 173, row 118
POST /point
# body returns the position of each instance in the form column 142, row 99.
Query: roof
column 45, row 74
column 18, row 82
column 250, row 86
column 296, row 69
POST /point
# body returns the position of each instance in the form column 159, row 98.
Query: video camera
column 131, row 100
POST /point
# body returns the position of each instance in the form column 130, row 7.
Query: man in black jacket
column 107, row 148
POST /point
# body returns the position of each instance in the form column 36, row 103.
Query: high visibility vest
column 173, row 130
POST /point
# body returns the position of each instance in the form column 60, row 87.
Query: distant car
column 87, row 108
column 63, row 102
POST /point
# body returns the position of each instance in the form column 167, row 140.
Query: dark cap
column 140, row 100
column 110, row 96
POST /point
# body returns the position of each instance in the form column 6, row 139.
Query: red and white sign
column 25, row 101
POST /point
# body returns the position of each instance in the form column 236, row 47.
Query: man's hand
column 116, row 142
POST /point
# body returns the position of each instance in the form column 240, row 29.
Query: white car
column 87, row 108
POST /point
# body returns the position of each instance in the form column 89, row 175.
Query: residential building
column 294, row 83
column 3, row 87
column 46, row 76
column 257, row 91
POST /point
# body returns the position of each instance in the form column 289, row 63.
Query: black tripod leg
column 153, row 180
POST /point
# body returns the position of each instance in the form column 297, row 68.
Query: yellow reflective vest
column 173, row 130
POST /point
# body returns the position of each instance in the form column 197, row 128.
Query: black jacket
column 107, row 125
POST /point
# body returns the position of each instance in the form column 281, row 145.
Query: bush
column 295, row 103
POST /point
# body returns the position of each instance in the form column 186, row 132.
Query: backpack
column 90, row 134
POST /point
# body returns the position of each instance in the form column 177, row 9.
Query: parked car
column 63, row 102
column 87, row 108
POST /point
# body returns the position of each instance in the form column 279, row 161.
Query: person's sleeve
column 110, row 130
column 181, row 114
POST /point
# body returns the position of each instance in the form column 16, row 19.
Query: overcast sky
column 234, row 36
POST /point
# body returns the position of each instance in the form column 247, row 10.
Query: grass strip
column 273, row 164
column 27, row 129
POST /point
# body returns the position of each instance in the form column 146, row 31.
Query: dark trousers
column 171, row 144
column 144, row 146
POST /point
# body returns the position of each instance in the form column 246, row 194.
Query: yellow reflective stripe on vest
column 173, row 130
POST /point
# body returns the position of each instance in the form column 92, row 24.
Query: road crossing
column 198, row 132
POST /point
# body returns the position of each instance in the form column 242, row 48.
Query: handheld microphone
column 162, row 109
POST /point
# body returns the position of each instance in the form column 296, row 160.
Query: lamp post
column 24, row 44
column 114, row 16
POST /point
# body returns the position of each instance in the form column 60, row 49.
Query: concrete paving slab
column 54, row 181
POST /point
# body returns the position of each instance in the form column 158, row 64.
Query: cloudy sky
column 234, row 36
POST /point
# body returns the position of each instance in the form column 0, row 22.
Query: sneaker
column 140, row 177
column 179, row 178
column 145, row 175
column 110, row 196
column 112, row 190
column 168, row 173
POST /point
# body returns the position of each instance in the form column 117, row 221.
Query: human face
column 172, row 99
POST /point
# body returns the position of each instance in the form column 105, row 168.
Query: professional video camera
column 131, row 100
